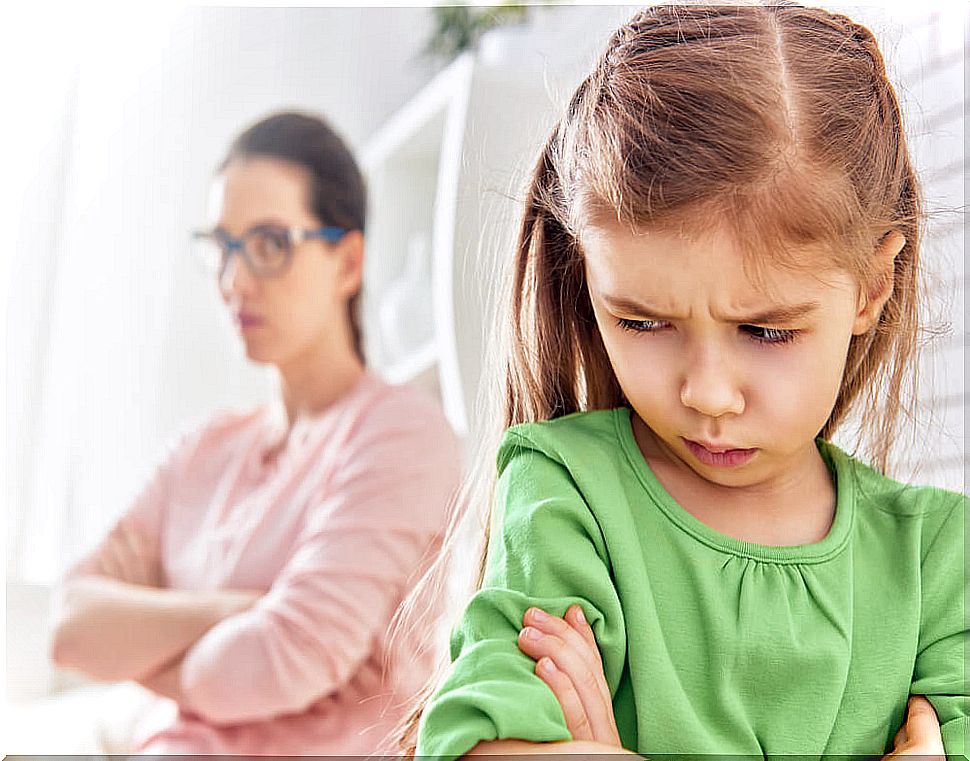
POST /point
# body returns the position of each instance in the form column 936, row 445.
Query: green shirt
column 710, row 645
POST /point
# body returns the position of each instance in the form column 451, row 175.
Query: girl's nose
column 710, row 388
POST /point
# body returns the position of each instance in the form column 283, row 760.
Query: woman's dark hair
column 337, row 195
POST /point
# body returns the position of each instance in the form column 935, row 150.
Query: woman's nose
column 710, row 387
column 236, row 277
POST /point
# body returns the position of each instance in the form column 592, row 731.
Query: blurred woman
column 253, row 579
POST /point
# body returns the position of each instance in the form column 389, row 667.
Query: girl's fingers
column 576, row 619
column 900, row 738
column 920, row 733
column 577, row 634
column 577, row 722
column 565, row 630
column 922, row 727
column 585, row 675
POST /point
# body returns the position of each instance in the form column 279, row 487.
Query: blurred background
column 115, row 340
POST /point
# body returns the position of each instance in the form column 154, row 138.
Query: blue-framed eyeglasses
column 266, row 249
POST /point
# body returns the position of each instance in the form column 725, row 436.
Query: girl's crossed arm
column 568, row 660
column 548, row 546
column 579, row 686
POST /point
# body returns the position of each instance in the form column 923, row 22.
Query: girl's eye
column 769, row 335
column 757, row 333
column 641, row 326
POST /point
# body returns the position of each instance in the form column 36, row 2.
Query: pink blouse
column 335, row 531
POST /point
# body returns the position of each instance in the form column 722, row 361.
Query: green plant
column 458, row 27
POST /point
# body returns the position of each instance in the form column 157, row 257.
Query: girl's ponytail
column 540, row 372
column 557, row 363
column 882, row 366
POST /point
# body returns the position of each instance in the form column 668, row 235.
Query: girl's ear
column 350, row 263
column 874, row 295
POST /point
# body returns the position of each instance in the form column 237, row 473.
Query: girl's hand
column 568, row 660
column 576, row 679
column 128, row 556
column 920, row 733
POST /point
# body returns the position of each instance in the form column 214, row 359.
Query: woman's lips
column 248, row 321
column 719, row 456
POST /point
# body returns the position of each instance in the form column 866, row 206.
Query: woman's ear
column 874, row 295
column 350, row 255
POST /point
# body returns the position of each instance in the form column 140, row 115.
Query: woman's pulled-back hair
column 337, row 195
column 776, row 122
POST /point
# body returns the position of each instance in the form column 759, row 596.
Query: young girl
column 718, row 264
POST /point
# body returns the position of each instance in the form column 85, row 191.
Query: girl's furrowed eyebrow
column 778, row 314
column 632, row 306
column 783, row 313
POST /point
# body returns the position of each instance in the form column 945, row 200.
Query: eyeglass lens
column 265, row 249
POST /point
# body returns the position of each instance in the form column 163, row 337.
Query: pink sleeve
column 146, row 513
column 330, row 606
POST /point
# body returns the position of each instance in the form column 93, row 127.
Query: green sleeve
column 944, row 642
column 548, row 552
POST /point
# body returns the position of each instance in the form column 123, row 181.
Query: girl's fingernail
column 539, row 615
column 580, row 618
column 531, row 633
column 546, row 665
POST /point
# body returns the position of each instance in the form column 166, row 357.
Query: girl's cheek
column 796, row 385
column 636, row 352
column 646, row 369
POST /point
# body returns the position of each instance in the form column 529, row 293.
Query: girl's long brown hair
column 778, row 121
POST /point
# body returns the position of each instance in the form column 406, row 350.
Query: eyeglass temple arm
column 229, row 244
column 331, row 234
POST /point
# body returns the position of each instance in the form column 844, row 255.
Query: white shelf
column 412, row 166
column 407, row 134
column 450, row 166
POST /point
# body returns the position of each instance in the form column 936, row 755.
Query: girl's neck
column 795, row 507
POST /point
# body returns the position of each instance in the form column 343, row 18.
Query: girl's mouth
column 719, row 456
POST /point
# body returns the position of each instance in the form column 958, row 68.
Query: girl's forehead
column 671, row 261
column 717, row 245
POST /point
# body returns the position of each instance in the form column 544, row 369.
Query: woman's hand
column 128, row 556
column 568, row 660
column 920, row 733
